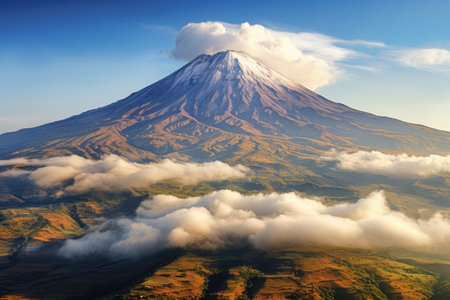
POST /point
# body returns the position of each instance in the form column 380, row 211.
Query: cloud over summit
column 308, row 58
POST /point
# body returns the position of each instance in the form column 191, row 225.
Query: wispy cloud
column 403, row 165
column 75, row 174
column 430, row 59
column 308, row 58
column 266, row 221
column 370, row 44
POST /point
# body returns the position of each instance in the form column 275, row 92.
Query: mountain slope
column 224, row 106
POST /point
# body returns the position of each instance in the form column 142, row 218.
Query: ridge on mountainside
column 225, row 106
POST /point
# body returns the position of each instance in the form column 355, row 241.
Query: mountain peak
column 227, row 57
column 233, row 58
column 227, row 66
column 230, row 54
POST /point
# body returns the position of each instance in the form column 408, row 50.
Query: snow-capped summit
column 222, row 106
column 228, row 66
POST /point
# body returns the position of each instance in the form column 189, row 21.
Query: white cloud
column 308, row 58
column 226, row 219
column 403, row 165
column 75, row 174
column 370, row 44
column 432, row 59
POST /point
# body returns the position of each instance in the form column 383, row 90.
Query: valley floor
column 298, row 273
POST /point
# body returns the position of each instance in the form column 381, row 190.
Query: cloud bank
column 402, row 165
column 308, row 58
column 75, row 174
column 431, row 59
column 226, row 219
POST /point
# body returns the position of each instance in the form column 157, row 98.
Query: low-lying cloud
column 308, row 58
column 402, row 165
column 265, row 221
column 75, row 174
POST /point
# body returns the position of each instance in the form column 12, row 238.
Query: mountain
column 231, row 107
column 225, row 106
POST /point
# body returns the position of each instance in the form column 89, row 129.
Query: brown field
column 300, row 273
column 185, row 278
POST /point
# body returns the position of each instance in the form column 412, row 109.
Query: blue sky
column 59, row 58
